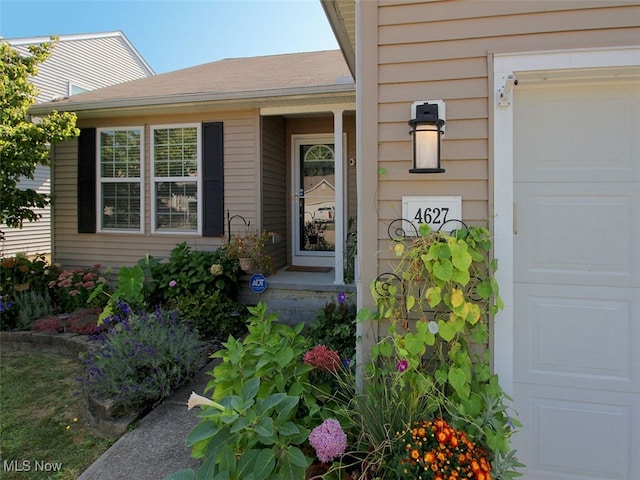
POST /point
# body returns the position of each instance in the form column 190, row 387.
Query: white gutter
column 189, row 98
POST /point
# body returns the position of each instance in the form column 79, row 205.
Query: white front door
column 576, row 276
column 314, row 200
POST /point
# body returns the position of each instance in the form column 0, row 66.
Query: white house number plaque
column 434, row 211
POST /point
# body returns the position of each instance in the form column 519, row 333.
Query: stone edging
column 105, row 415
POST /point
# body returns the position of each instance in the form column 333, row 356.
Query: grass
column 43, row 429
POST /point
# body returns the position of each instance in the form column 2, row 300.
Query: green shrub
column 188, row 272
column 30, row 306
column 141, row 358
column 73, row 289
column 335, row 327
column 20, row 275
column 263, row 403
column 215, row 316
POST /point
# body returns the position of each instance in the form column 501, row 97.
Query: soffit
column 342, row 18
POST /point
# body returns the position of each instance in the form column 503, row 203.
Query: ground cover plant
column 43, row 418
column 140, row 358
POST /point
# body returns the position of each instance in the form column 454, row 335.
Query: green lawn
column 43, row 431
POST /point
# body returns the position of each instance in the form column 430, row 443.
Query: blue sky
column 174, row 34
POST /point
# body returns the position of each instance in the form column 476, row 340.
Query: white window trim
column 73, row 83
column 198, row 179
column 503, row 66
column 99, row 204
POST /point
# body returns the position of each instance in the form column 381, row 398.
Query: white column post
column 340, row 188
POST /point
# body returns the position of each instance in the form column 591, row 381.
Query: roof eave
column 341, row 17
column 120, row 106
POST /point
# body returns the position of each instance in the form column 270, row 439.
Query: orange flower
column 415, row 454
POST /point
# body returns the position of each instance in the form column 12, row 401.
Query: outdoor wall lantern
column 427, row 127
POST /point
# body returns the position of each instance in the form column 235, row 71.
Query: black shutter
column 87, row 180
column 213, row 179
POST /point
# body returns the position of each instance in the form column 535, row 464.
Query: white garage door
column 577, row 278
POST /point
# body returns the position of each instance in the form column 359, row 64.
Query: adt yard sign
column 257, row 283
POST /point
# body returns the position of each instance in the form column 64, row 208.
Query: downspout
column 339, row 220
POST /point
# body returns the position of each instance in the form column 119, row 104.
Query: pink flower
column 402, row 365
column 323, row 358
column 74, row 293
column 329, row 440
column 173, row 283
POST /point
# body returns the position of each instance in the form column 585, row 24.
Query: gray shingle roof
column 274, row 72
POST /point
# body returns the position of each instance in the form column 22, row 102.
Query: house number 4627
column 435, row 215
column 436, row 211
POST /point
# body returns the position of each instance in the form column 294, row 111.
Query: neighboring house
column 79, row 63
column 552, row 168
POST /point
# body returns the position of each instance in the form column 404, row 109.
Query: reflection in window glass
column 120, row 178
column 175, row 168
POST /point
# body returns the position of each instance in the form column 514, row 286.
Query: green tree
column 25, row 141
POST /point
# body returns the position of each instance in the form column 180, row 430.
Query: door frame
column 325, row 259
column 505, row 65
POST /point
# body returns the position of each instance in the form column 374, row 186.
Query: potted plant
column 250, row 250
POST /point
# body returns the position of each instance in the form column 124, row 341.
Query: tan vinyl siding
column 275, row 211
column 442, row 50
column 116, row 249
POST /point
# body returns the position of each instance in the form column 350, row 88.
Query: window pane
column 176, row 206
column 121, row 206
column 120, row 158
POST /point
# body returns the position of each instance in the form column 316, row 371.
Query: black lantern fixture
column 426, row 129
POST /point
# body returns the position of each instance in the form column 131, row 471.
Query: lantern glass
column 427, row 146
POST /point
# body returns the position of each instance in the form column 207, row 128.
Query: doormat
column 300, row 268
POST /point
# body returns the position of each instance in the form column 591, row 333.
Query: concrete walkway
column 156, row 447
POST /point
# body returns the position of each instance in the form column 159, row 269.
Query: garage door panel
column 585, row 337
column 553, row 445
column 598, row 140
column 578, row 234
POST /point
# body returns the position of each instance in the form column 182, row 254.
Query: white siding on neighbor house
column 89, row 61
column 34, row 237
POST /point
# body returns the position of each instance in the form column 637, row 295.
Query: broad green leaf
column 458, row 380
column 446, row 330
column 484, row 289
column 264, row 464
column 186, row 474
column 288, row 428
column 297, row 457
column 414, row 345
column 285, row 356
column 226, row 459
column 130, row 282
column 202, row 431
column 240, row 424
column 461, row 276
column 459, row 255
column 250, row 388
column 443, row 269
column 265, row 427
column 284, row 408
column 411, row 301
